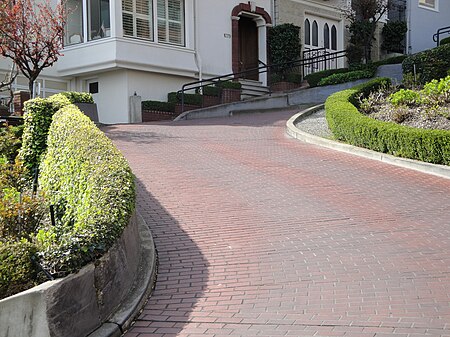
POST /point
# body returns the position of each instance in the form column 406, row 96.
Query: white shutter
column 136, row 17
column 171, row 21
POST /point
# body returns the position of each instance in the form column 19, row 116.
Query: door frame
column 263, row 22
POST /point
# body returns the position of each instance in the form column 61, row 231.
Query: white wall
column 423, row 23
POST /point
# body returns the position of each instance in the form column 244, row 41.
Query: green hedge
column 430, row 64
column 350, row 126
column 92, row 188
column 345, row 77
column 392, row 60
column 193, row 99
column 37, row 120
column 17, row 270
column 314, row 78
column 158, row 106
column 229, row 85
column 444, row 41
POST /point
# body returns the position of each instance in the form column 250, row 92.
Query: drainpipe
column 198, row 58
column 408, row 24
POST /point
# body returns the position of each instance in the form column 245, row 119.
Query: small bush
column 193, row 99
column 10, row 142
column 406, row 97
column 346, row 77
column 14, row 175
column 392, row 60
column 17, row 270
column 444, row 41
column 349, row 125
column 314, row 78
column 158, row 106
column 78, row 97
column 92, row 188
column 211, row 91
column 430, row 64
column 229, row 85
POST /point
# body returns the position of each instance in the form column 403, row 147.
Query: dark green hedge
column 193, row 99
column 229, row 85
column 430, row 64
column 37, row 120
column 158, row 106
column 345, row 77
column 92, row 188
column 314, row 78
column 444, row 41
column 211, row 91
column 350, row 126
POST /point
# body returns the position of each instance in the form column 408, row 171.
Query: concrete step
column 252, row 89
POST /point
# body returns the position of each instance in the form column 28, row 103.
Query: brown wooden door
column 248, row 47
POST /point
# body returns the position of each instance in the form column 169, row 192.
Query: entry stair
column 251, row 89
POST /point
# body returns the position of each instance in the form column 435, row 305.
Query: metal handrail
column 436, row 36
column 262, row 69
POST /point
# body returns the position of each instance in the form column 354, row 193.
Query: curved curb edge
column 144, row 284
column 434, row 169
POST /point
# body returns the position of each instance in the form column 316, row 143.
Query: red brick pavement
column 261, row 235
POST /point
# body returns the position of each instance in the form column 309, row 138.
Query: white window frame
column 167, row 23
column 135, row 15
column 423, row 4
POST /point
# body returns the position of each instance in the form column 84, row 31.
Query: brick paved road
column 261, row 235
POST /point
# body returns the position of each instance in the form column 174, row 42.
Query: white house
column 424, row 18
column 115, row 49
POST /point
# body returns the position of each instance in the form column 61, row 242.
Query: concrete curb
column 437, row 170
column 101, row 300
column 144, row 285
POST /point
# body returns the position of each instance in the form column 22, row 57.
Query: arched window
column 315, row 34
column 307, row 32
column 333, row 38
column 326, row 36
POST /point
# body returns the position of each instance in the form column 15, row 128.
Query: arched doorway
column 249, row 33
column 248, row 47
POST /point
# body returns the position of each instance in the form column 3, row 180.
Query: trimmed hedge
column 444, row 41
column 430, row 64
column 314, row 78
column 350, row 126
column 158, row 106
column 92, row 188
column 346, row 77
column 175, row 97
column 37, row 120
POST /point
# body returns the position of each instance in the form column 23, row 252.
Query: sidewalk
column 259, row 234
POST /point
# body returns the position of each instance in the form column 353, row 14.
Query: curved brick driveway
column 261, row 235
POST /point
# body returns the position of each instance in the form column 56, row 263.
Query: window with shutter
column 171, row 21
column 428, row 3
column 137, row 19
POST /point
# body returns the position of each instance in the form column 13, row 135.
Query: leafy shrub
column 346, row 77
column 314, row 78
column 17, row 270
column 393, row 34
column 37, row 120
column 92, row 188
column 211, row 91
column 392, row 60
column 284, row 45
column 10, row 141
column 14, row 175
column 444, row 41
column 158, row 106
column 193, row 99
column 430, row 64
column 78, row 97
column 349, row 125
column 229, row 85
column 405, row 96
column 20, row 214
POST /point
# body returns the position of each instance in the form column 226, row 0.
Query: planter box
column 155, row 115
column 284, row 86
column 89, row 109
column 210, row 100
column 231, row 95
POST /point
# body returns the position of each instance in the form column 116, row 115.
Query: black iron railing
column 310, row 63
column 440, row 31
